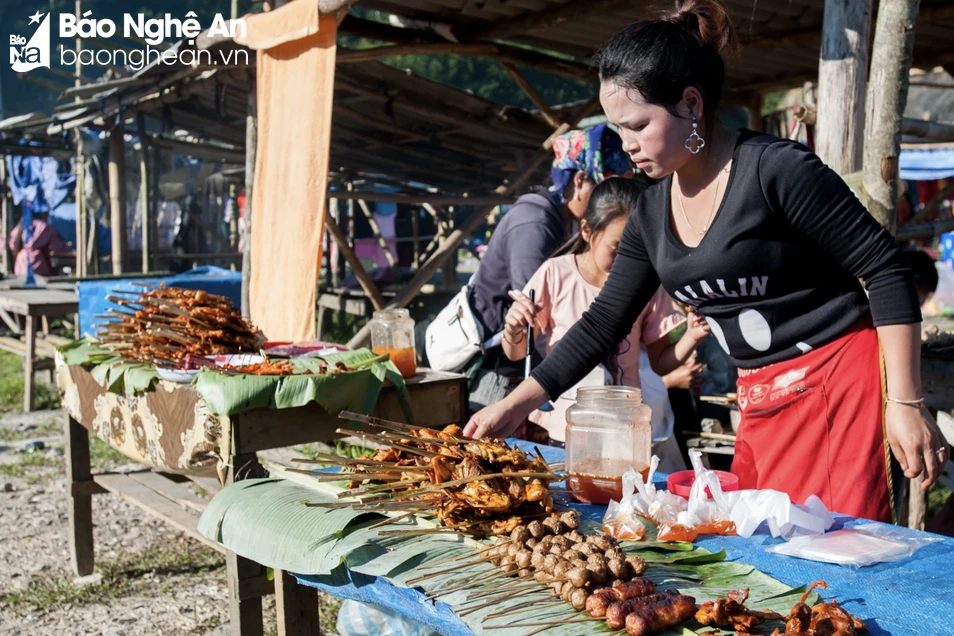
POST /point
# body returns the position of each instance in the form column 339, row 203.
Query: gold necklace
column 715, row 197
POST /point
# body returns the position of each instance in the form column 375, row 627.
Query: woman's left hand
column 916, row 442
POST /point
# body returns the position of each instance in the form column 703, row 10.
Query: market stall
column 191, row 411
column 441, row 580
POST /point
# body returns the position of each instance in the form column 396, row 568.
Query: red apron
column 814, row 425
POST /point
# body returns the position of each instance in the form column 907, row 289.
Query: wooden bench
column 33, row 304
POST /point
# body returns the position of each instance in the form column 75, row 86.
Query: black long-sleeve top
column 775, row 276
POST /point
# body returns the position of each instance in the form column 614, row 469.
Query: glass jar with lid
column 608, row 430
column 392, row 332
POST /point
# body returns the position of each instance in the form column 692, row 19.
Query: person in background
column 543, row 220
column 566, row 286
column 528, row 234
column 39, row 248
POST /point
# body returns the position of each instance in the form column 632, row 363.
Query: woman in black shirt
column 766, row 242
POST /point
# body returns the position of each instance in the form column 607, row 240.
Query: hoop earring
column 695, row 142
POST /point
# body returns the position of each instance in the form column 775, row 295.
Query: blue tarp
column 927, row 165
column 215, row 280
column 907, row 598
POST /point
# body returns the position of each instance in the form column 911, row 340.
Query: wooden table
column 437, row 399
column 33, row 303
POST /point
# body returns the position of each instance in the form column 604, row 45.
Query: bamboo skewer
column 406, row 449
column 497, row 599
column 391, row 520
column 447, row 570
column 463, row 556
column 454, row 588
column 344, row 476
column 521, row 606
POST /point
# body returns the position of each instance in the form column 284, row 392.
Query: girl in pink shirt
column 567, row 284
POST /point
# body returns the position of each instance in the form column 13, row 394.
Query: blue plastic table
column 914, row 596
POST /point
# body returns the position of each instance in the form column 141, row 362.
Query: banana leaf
column 83, row 352
column 229, row 394
column 265, row 520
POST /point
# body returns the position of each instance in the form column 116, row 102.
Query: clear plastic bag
column 620, row 522
column 361, row 619
column 639, row 498
column 857, row 546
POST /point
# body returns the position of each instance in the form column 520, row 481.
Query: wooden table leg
column 296, row 606
column 245, row 603
column 80, row 501
column 28, row 358
column 245, row 614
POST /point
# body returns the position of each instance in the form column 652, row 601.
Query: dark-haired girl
column 768, row 244
column 567, row 284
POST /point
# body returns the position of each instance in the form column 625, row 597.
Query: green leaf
column 317, row 541
column 229, row 394
column 83, row 352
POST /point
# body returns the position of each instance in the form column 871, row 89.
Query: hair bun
column 709, row 20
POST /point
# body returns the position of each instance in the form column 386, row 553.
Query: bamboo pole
column 887, row 96
column 117, row 195
column 360, row 273
column 839, row 136
column 366, row 210
column 5, row 216
column 416, row 235
column 144, row 194
column 251, row 139
column 532, row 94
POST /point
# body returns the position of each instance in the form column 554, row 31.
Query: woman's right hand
column 496, row 420
column 503, row 418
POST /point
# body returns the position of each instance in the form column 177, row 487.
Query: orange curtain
column 295, row 63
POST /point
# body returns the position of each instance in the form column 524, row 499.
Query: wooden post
column 449, row 271
column 887, row 97
column 81, row 217
column 117, row 194
column 233, row 220
column 296, row 606
column 336, row 211
column 532, row 94
column 155, row 176
column 366, row 210
column 360, row 273
column 245, row 606
column 144, row 193
column 7, row 265
column 80, row 504
column 251, row 139
column 28, row 359
column 754, row 107
column 416, row 233
column 839, row 135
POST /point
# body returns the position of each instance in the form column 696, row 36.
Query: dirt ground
column 150, row 578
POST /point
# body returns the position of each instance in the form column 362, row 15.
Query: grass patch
column 328, row 607
column 11, row 386
column 33, row 467
column 47, row 429
column 102, row 456
column 122, row 577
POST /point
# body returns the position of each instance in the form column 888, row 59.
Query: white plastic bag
column 749, row 508
column 857, row 546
